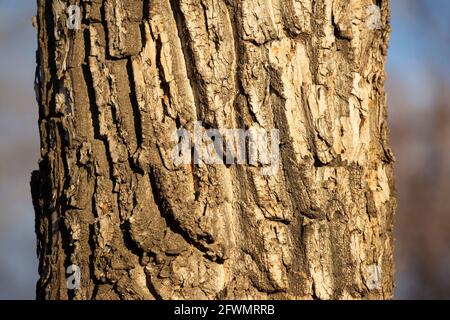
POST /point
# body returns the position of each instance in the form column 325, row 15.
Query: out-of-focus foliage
column 419, row 109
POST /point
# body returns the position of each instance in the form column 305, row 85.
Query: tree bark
column 109, row 200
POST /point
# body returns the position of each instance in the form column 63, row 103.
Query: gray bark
column 109, row 200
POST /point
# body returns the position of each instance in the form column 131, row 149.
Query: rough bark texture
column 109, row 199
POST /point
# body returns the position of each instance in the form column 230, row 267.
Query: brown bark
column 109, row 199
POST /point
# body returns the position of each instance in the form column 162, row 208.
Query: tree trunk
column 110, row 200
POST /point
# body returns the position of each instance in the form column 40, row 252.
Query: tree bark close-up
column 115, row 86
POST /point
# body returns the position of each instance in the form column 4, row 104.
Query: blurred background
column 419, row 117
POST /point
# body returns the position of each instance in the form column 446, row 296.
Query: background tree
column 109, row 199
